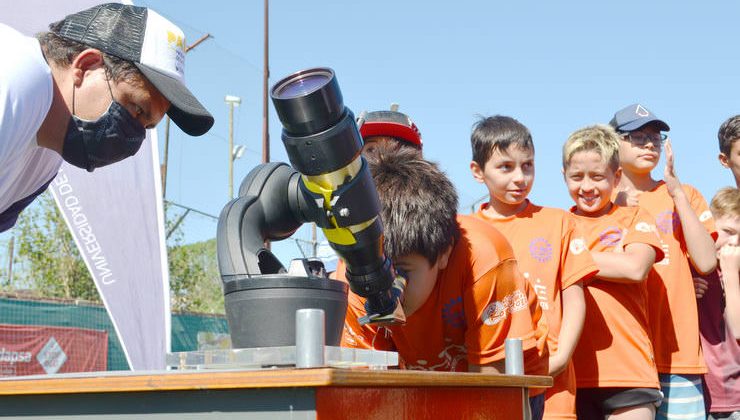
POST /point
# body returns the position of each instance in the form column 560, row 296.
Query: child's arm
column 699, row 242
column 632, row 265
column 729, row 262
column 493, row 367
column 574, row 314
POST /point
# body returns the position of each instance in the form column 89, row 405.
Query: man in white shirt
column 85, row 92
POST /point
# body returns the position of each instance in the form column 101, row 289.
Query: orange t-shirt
column 615, row 348
column 551, row 254
column 673, row 315
column 478, row 301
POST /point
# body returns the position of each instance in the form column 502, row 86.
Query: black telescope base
column 261, row 309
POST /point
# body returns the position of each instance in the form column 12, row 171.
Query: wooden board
column 277, row 378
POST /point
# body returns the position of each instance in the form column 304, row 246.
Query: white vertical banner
column 116, row 217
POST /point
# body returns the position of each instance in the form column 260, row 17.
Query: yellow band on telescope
column 325, row 185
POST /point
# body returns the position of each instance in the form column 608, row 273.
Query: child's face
column 421, row 278
column 728, row 230
column 508, row 174
column 732, row 162
column 590, row 182
column 639, row 152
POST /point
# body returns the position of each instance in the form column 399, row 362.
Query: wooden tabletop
column 273, row 378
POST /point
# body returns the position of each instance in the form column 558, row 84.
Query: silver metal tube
column 309, row 338
column 514, row 356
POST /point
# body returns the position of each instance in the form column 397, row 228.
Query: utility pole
column 163, row 167
column 266, row 76
column 232, row 101
column 314, row 241
column 265, row 79
column 11, row 246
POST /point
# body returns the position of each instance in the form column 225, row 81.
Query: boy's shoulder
column 553, row 213
column 661, row 189
column 622, row 216
column 481, row 241
column 533, row 212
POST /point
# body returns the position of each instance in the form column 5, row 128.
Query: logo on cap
column 177, row 40
column 641, row 111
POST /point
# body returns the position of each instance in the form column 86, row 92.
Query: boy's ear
column 477, row 171
column 444, row 258
column 618, row 175
column 723, row 160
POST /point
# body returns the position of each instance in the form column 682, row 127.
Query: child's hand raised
column 669, row 174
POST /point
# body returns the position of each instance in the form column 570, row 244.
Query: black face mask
column 114, row 136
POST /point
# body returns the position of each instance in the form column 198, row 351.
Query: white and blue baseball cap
column 634, row 116
column 152, row 43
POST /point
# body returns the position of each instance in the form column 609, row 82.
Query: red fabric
column 721, row 351
column 39, row 350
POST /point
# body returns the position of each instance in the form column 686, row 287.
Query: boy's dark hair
column 498, row 133
column 729, row 132
column 63, row 52
column 418, row 203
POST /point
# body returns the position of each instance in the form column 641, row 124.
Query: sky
column 554, row 66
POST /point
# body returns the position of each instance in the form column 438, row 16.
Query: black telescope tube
column 308, row 102
column 321, row 137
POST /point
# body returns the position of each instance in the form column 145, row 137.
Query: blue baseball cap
column 635, row 116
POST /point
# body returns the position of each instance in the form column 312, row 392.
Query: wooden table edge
column 275, row 378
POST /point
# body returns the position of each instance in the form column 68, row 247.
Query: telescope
column 328, row 183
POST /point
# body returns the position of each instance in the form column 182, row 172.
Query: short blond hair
column 726, row 203
column 599, row 138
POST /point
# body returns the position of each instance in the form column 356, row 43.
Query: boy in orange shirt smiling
column 548, row 246
column 614, row 366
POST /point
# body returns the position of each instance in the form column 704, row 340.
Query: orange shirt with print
column 551, row 254
column 478, row 301
column 615, row 348
column 673, row 314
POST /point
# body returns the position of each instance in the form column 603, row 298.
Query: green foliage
column 194, row 279
column 49, row 264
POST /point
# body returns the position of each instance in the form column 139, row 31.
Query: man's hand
column 628, row 197
column 669, row 174
column 700, row 287
column 729, row 258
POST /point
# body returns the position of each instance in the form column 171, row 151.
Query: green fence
column 185, row 327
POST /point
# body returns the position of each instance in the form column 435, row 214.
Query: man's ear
column 444, row 258
column 477, row 171
column 723, row 160
column 87, row 60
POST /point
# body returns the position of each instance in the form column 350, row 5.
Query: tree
column 51, row 266
column 194, row 278
column 50, row 263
